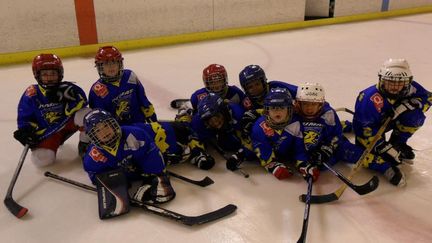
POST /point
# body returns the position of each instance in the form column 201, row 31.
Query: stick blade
column 176, row 103
column 207, row 181
column 369, row 186
column 209, row 217
column 319, row 199
column 13, row 207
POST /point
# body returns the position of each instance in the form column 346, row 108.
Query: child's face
column 310, row 108
column 254, row 88
column 216, row 85
column 111, row 68
column 394, row 87
column 278, row 114
column 216, row 122
column 104, row 133
column 49, row 76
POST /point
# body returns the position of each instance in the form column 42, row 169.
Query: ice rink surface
column 344, row 58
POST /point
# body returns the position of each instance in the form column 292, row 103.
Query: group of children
column 278, row 124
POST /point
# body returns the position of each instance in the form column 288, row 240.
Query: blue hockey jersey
column 234, row 95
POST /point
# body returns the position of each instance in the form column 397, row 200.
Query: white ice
column 344, row 58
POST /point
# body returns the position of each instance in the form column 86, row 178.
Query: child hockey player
column 398, row 97
column 127, row 148
column 119, row 90
column 50, row 111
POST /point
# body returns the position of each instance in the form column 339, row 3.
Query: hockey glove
column 279, row 170
column 26, row 135
column 388, row 152
column 66, row 92
column 321, row 154
column 159, row 190
column 306, row 169
column 403, row 106
column 247, row 121
column 201, row 159
column 234, row 161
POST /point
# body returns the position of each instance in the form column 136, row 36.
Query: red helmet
column 109, row 54
column 47, row 62
column 213, row 74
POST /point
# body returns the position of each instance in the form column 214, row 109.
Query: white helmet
column 395, row 70
column 398, row 72
column 312, row 92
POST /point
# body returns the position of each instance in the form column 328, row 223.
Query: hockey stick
column 345, row 109
column 16, row 209
column 152, row 208
column 338, row 193
column 207, row 181
column 369, row 186
column 177, row 103
column 302, row 238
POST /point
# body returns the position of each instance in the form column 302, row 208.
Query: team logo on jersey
column 52, row 116
column 268, row 131
column 97, row 156
column 100, row 90
column 201, row 96
column 31, row 91
column 378, row 101
column 310, row 138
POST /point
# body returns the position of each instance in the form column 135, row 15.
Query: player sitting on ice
column 50, row 111
column 119, row 91
column 215, row 80
column 397, row 96
column 178, row 143
column 277, row 138
column 130, row 149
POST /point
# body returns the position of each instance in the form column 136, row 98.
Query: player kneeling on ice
column 129, row 149
column 178, row 143
column 276, row 137
column 399, row 98
column 50, row 111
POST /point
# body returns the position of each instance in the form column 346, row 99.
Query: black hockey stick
column 302, row 237
column 338, row 193
column 207, row 181
column 345, row 109
column 10, row 203
column 152, row 208
column 177, row 103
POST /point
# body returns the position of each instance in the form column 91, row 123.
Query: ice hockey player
column 119, row 91
column 130, row 149
column 50, row 111
column 178, row 143
column 277, row 138
column 397, row 96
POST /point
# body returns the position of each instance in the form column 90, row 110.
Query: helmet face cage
column 278, row 98
column 310, row 100
column 47, row 62
column 212, row 106
column 395, row 78
column 102, row 129
column 215, row 79
column 250, row 74
column 107, row 55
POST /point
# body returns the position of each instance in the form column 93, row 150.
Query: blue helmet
column 251, row 73
column 211, row 105
column 281, row 98
column 95, row 123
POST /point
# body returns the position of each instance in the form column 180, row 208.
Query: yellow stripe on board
column 85, row 50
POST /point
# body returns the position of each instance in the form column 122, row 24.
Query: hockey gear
column 207, row 181
column 234, row 161
column 395, row 176
column 247, row 121
column 47, row 62
column 214, row 112
column 395, row 78
column 279, row 170
column 215, row 79
column 403, row 106
column 250, row 76
column 26, row 135
column 277, row 99
column 388, row 152
column 369, row 186
column 112, row 192
column 308, row 170
column 310, row 99
column 102, row 129
column 177, row 103
column 406, row 153
column 338, row 193
column 184, row 113
column 201, row 159
column 322, row 154
column 66, row 92
column 302, row 237
column 13, row 207
column 187, row 220
column 155, row 189
column 107, row 55
column 82, row 149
